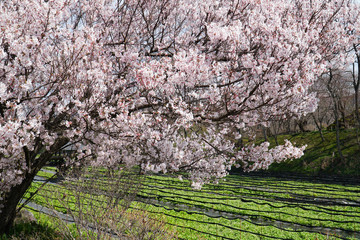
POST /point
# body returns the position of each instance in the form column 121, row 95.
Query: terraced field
column 245, row 206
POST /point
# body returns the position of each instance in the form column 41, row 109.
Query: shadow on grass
column 32, row 231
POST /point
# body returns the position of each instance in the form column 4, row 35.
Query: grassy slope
column 322, row 157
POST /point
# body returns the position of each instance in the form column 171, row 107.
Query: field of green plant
column 240, row 207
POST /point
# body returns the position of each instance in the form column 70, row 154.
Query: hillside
column 321, row 158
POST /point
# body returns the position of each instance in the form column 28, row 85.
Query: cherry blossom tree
column 158, row 84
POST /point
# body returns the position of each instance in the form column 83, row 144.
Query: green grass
column 252, row 200
column 45, row 174
column 42, row 230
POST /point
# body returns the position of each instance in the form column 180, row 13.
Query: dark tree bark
column 12, row 198
column 301, row 124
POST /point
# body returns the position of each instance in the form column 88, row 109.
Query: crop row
column 241, row 207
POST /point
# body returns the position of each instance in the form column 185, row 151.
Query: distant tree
column 323, row 116
column 156, row 83
column 356, row 85
column 334, row 80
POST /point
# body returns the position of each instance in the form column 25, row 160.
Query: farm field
column 242, row 206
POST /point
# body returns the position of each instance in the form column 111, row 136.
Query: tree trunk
column 319, row 127
column 357, row 114
column 13, row 197
column 276, row 140
column 341, row 110
column 264, row 133
column 321, row 135
column 337, row 128
column 288, row 126
column 356, row 88
column 301, row 125
column 10, row 202
column 335, row 100
column 357, row 106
